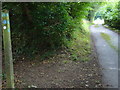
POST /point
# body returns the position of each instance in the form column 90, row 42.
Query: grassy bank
column 80, row 45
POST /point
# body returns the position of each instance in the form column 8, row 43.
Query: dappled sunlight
column 99, row 21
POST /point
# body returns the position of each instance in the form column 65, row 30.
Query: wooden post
column 0, row 49
column 7, row 49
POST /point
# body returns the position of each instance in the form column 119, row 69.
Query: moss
column 96, row 25
column 108, row 40
column 106, row 36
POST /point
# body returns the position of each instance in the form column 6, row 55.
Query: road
column 107, row 55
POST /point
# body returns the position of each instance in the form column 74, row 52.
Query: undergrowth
column 80, row 45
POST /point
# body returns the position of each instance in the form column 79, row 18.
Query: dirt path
column 58, row 72
column 108, row 56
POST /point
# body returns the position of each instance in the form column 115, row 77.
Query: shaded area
column 58, row 71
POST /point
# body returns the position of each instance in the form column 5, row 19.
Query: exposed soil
column 58, row 71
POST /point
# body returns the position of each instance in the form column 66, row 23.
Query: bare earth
column 56, row 73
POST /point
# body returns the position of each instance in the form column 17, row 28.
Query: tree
column 46, row 25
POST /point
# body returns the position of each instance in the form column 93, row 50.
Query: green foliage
column 80, row 45
column 65, row 61
column 111, row 14
column 94, row 7
column 3, row 75
column 44, row 26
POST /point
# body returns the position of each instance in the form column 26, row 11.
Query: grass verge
column 113, row 29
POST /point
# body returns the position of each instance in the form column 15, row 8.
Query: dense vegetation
column 41, row 26
column 111, row 13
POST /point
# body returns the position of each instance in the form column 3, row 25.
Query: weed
column 3, row 76
column 74, row 57
column 65, row 61
column 60, row 71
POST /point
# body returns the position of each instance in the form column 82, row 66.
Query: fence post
column 7, row 49
column 0, row 48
